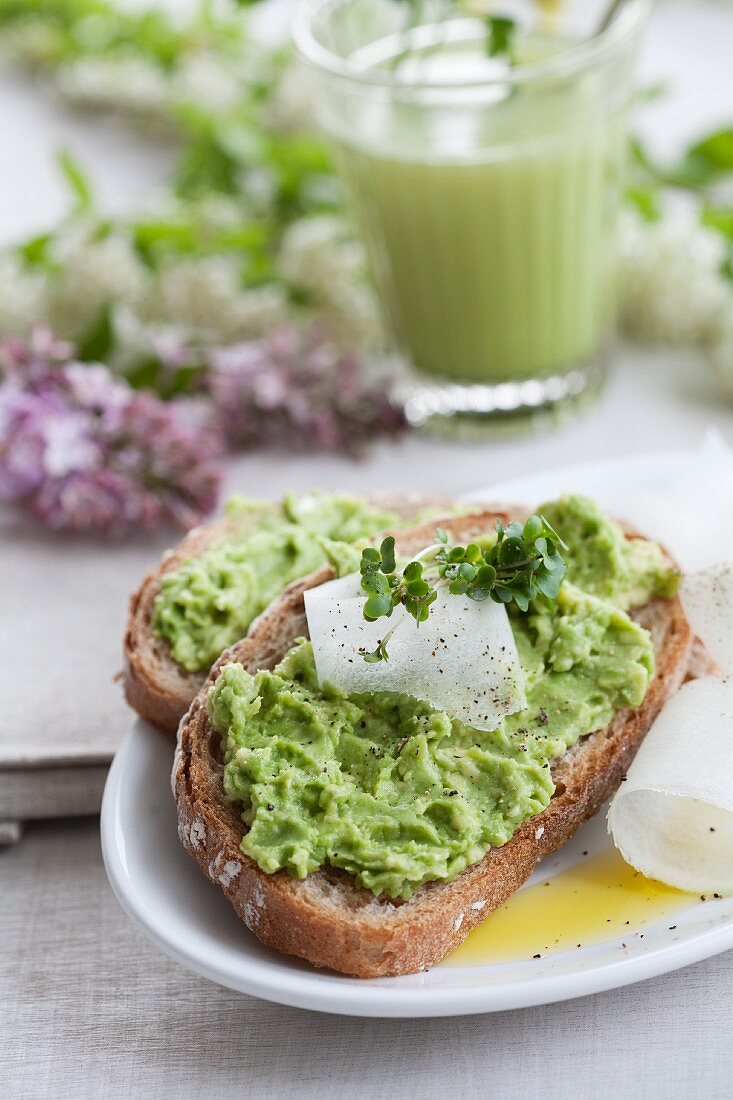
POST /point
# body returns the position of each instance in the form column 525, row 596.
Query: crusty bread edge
column 155, row 686
column 356, row 933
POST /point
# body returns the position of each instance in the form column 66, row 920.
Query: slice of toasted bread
column 326, row 918
column 156, row 686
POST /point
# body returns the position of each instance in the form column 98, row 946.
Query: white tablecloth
column 91, row 1010
column 87, row 1007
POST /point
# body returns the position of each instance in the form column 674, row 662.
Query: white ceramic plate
column 161, row 888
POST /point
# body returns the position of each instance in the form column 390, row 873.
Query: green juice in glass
column 489, row 215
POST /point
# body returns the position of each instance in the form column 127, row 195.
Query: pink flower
column 102, row 501
column 299, row 391
column 83, row 451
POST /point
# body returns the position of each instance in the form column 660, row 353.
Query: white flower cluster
column 124, row 84
column 207, row 81
column 204, row 296
column 91, row 275
column 320, row 258
column 32, row 42
column 200, row 298
column 671, row 289
column 134, row 339
column 131, row 85
column 289, row 108
column 82, row 277
column 23, row 297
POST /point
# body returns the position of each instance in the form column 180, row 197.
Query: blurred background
column 165, row 199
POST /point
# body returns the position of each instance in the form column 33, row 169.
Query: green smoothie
column 489, row 214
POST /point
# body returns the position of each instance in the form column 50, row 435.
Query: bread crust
column 155, row 685
column 326, row 918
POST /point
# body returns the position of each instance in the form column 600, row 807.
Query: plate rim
column 324, row 991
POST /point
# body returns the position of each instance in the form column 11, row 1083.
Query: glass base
column 475, row 410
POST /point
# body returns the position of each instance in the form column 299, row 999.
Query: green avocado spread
column 209, row 601
column 397, row 794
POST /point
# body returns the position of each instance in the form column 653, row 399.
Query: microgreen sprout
column 523, row 564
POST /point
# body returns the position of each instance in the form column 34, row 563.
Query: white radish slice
column 463, row 659
column 672, row 819
column 707, row 600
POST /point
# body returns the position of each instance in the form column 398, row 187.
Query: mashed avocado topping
column 209, row 601
column 603, row 561
column 398, row 794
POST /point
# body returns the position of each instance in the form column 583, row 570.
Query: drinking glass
column 486, row 193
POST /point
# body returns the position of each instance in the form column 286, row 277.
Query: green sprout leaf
column 524, row 564
column 377, row 655
column 387, row 564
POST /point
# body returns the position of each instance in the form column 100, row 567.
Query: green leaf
column 651, row 92
column 35, row 250
column 479, row 594
column 418, row 588
column 376, row 582
column 377, row 655
column 486, row 576
column 512, row 550
column 98, row 341
column 500, row 32
column 423, row 610
column 377, row 606
column 532, row 528
column 550, row 530
column 77, row 181
column 150, row 374
column 370, row 562
column 551, row 557
column 521, row 600
column 704, row 163
column 388, row 555
column 726, row 268
column 719, row 218
column 715, row 151
column 549, row 584
column 646, row 201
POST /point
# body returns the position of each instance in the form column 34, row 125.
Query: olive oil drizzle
column 601, row 898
